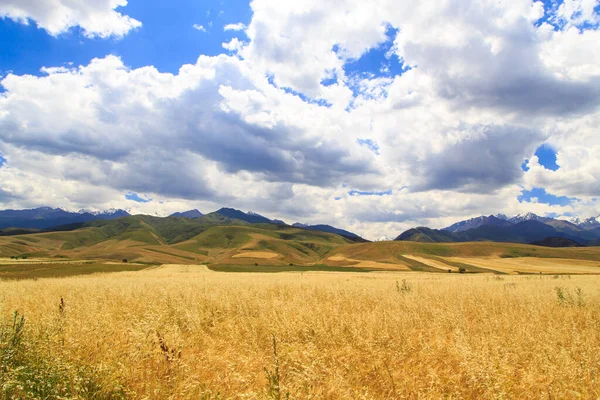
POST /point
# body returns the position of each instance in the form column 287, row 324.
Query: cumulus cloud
column 97, row 18
column 488, row 82
column 233, row 45
column 199, row 27
column 154, row 129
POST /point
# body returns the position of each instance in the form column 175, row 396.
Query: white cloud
column 200, row 28
column 97, row 18
column 578, row 12
column 233, row 45
column 487, row 88
column 234, row 27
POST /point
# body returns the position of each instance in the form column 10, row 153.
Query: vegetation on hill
column 554, row 241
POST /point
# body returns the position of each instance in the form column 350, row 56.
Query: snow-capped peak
column 383, row 238
column 526, row 217
column 588, row 223
column 110, row 211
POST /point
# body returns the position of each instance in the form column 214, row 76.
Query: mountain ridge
column 529, row 228
column 48, row 217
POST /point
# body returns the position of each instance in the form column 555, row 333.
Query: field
column 142, row 308
column 183, row 331
column 145, row 241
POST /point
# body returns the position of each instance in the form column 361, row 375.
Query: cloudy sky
column 370, row 116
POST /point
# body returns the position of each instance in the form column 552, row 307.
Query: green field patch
column 415, row 265
column 36, row 271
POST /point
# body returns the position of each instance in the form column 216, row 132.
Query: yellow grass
column 367, row 263
column 532, row 265
column 256, row 254
column 433, row 263
column 182, row 331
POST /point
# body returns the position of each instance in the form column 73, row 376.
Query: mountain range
column 47, row 217
column 522, row 228
column 13, row 222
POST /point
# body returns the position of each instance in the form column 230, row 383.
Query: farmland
column 265, row 312
column 184, row 331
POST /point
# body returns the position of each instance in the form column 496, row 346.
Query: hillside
column 210, row 238
column 557, row 242
column 328, row 228
column 490, row 257
column 228, row 244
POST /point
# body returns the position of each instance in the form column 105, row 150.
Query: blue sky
column 321, row 113
column 167, row 39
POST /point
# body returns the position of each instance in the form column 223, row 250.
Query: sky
column 374, row 117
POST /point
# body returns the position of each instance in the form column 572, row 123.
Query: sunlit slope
column 178, row 240
column 224, row 242
column 472, row 257
column 264, row 244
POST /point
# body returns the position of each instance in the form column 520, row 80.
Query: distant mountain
column 383, row 238
column 523, row 232
column 522, row 228
column 273, row 221
column 427, row 235
column 47, row 217
column 249, row 217
column 589, row 223
column 191, row 214
column 554, row 241
column 527, row 217
column 477, row 222
column 331, row 229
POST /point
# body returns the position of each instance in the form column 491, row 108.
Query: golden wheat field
column 179, row 332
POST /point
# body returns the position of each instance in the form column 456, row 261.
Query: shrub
column 404, row 288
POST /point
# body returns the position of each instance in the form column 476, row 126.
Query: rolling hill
column 212, row 237
column 227, row 244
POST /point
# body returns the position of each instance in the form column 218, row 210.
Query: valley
column 138, row 242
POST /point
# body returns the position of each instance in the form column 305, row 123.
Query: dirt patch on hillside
column 367, row 264
column 256, row 254
column 432, row 263
column 533, row 265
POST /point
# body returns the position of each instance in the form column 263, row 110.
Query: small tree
column 124, row 260
column 462, row 270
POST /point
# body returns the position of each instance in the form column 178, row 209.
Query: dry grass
column 433, row 263
column 256, row 254
column 532, row 265
column 185, row 332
